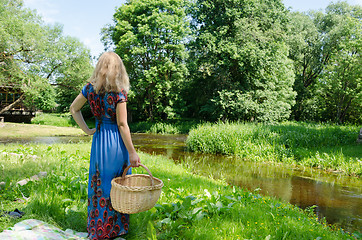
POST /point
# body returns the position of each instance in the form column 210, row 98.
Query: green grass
column 175, row 127
column 190, row 207
column 58, row 119
column 66, row 120
column 23, row 131
column 53, row 119
column 328, row 147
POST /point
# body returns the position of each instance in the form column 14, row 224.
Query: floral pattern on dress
column 103, row 221
column 103, row 105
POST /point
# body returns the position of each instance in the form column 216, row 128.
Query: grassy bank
column 171, row 127
column 332, row 148
column 66, row 120
column 191, row 206
column 20, row 130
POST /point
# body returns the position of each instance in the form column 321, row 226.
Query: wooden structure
column 17, row 112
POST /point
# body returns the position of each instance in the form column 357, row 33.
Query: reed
column 172, row 127
column 329, row 147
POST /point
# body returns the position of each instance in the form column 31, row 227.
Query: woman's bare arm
column 77, row 104
column 123, row 127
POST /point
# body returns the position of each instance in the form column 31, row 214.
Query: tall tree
column 341, row 82
column 241, row 69
column 33, row 56
column 150, row 36
column 316, row 41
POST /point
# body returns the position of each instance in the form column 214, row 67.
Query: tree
column 34, row 56
column 240, row 53
column 150, row 38
column 316, row 41
column 341, row 83
column 20, row 33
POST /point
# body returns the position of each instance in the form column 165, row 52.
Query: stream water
column 338, row 198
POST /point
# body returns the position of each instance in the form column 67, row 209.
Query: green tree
column 150, row 36
column 69, row 70
column 306, row 51
column 34, row 56
column 240, row 53
column 20, row 35
column 341, row 82
column 318, row 42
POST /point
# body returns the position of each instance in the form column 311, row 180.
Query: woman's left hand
column 134, row 159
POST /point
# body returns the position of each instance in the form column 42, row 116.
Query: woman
column 112, row 149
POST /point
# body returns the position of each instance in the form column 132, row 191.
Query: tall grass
column 315, row 145
column 190, row 207
column 174, row 127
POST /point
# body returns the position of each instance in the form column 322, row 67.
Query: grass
column 59, row 120
column 324, row 146
column 66, row 120
column 20, row 130
column 190, row 207
column 175, row 127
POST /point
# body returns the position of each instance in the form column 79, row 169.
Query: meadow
column 328, row 147
column 190, row 207
column 170, row 127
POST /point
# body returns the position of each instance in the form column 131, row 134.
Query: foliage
column 341, row 85
column 325, row 48
column 34, row 56
column 313, row 145
column 240, row 56
column 150, row 38
column 190, row 206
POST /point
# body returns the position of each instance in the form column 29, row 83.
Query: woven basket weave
column 135, row 193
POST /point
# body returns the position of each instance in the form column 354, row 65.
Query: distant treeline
column 207, row 59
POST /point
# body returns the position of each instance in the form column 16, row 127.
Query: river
column 338, row 198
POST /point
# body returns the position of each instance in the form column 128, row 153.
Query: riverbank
column 21, row 130
column 191, row 206
column 328, row 147
column 170, row 127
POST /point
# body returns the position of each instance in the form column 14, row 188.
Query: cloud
column 45, row 8
column 94, row 44
column 356, row 2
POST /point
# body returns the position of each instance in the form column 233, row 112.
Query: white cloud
column 356, row 2
column 45, row 8
column 94, row 44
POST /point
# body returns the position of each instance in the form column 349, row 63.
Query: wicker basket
column 135, row 193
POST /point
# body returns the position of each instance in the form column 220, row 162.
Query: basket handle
column 148, row 171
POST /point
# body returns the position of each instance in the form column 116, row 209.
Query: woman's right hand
column 134, row 159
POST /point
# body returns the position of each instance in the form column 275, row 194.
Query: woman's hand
column 134, row 159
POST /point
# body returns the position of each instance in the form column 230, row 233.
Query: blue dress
column 108, row 159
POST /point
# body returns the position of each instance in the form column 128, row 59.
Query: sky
column 84, row 19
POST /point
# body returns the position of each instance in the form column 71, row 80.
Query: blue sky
column 84, row 19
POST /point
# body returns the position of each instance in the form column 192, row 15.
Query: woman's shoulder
column 89, row 86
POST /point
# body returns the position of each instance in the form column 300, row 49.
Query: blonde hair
column 110, row 74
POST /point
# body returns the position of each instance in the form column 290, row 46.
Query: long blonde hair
column 110, row 74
